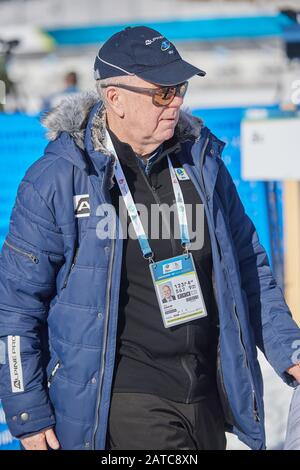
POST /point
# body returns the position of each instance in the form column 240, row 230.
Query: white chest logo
column 81, row 205
column 181, row 174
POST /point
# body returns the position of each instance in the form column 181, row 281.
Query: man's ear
column 115, row 100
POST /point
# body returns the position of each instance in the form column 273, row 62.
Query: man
column 167, row 294
column 90, row 358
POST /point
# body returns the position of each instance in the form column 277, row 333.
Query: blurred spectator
column 6, row 48
column 71, row 87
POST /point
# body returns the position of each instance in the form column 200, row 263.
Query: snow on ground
column 277, row 401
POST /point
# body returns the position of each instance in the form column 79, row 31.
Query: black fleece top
column 177, row 363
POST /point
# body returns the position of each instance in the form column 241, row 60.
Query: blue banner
column 202, row 29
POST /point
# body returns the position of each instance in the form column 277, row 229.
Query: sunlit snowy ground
column 277, row 402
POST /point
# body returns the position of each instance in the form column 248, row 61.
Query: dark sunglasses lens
column 164, row 96
column 182, row 89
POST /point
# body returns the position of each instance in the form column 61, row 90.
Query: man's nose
column 176, row 102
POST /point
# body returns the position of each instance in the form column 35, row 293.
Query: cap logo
column 165, row 45
column 150, row 41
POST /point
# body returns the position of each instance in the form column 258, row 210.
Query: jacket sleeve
column 29, row 262
column 275, row 332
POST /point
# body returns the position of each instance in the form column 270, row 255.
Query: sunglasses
column 161, row 96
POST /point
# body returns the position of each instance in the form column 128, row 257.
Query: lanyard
column 133, row 213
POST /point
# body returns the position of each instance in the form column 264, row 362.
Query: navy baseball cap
column 143, row 52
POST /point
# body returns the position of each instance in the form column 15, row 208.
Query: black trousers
column 140, row 421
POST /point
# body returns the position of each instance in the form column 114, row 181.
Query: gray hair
column 100, row 91
column 110, row 81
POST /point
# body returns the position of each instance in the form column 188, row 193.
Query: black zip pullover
column 177, row 363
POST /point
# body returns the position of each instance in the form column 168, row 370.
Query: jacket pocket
column 33, row 258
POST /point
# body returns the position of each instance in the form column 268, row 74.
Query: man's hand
column 295, row 372
column 39, row 441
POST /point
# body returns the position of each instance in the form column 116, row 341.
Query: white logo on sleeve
column 82, row 205
column 15, row 364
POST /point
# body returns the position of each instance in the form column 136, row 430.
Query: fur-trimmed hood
column 72, row 114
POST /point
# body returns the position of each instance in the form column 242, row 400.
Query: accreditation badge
column 178, row 290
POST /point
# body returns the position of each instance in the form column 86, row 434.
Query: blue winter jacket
column 59, row 286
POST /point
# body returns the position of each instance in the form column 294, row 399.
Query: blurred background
column 249, row 98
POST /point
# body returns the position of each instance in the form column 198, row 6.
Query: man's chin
column 168, row 133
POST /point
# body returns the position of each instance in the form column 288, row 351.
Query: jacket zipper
column 158, row 202
column 29, row 255
column 71, row 268
column 102, row 365
column 51, row 376
column 254, row 402
column 186, row 368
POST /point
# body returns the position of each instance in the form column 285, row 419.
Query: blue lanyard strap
column 133, row 213
column 183, row 225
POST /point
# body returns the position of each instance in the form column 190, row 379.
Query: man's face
column 166, row 291
column 152, row 124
